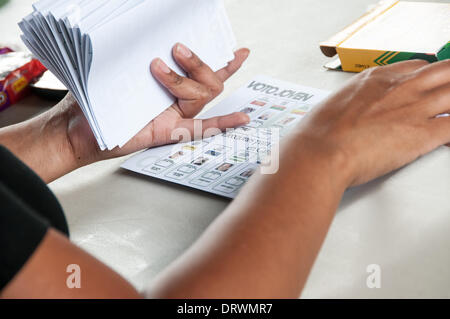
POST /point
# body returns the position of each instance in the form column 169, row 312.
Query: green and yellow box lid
column 390, row 32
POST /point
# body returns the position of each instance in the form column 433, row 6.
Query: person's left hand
column 193, row 92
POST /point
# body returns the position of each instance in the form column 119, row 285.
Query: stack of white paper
column 101, row 50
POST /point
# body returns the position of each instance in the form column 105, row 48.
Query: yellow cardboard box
column 392, row 31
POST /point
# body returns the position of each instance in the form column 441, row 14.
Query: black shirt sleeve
column 27, row 209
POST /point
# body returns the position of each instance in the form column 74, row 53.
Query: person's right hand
column 382, row 120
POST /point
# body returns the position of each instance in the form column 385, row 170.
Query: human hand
column 382, row 120
column 193, row 92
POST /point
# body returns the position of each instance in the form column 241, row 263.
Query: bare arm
column 42, row 143
column 265, row 243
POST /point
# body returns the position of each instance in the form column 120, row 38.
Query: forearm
column 42, row 144
column 265, row 243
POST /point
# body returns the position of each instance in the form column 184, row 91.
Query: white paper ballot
column 101, row 50
column 222, row 164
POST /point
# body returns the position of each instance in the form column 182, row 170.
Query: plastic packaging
column 17, row 71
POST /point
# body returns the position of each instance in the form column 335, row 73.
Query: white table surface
column 138, row 225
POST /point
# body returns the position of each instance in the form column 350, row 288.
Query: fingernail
column 163, row 67
column 184, row 51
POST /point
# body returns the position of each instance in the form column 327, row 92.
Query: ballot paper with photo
column 101, row 50
column 223, row 163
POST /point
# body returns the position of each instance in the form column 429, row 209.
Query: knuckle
column 420, row 62
column 177, row 80
column 404, row 84
column 197, row 64
column 205, row 95
column 376, row 76
column 371, row 73
column 217, row 87
column 383, row 77
column 445, row 63
column 378, row 71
